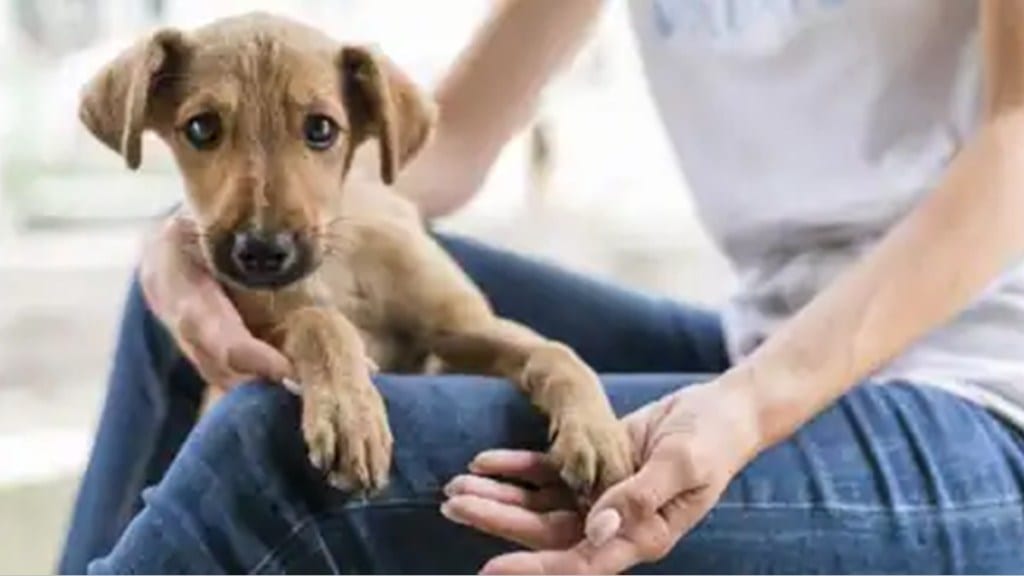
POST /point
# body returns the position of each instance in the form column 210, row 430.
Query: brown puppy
column 265, row 117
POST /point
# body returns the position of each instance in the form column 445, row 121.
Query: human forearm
column 491, row 92
column 923, row 273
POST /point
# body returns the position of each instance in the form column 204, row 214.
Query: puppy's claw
column 380, row 462
column 365, row 473
column 316, row 459
column 372, row 366
column 319, row 431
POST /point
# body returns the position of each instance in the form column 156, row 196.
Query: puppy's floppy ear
column 384, row 103
column 116, row 105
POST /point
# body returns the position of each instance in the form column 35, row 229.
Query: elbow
column 995, row 159
column 445, row 176
column 993, row 171
column 1005, row 135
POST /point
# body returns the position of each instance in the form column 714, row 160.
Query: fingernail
column 454, row 487
column 447, row 512
column 371, row 365
column 291, row 386
column 603, row 526
column 478, row 461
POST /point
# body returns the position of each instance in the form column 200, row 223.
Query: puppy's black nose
column 264, row 257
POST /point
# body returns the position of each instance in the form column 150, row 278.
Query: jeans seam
column 867, row 508
column 236, row 425
column 313, row 518
column 879, row 510
column 272, row 553
column 137, row 478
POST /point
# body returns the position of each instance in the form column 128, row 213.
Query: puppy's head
column 263, row 116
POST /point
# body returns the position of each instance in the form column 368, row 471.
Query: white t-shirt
column 806, row 129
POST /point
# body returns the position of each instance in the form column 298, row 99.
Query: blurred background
column 590, row 184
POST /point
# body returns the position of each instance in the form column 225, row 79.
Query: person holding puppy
column 862, row 165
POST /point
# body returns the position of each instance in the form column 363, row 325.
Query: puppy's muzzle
column 261, row 259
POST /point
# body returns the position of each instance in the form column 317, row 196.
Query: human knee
column 260, row 418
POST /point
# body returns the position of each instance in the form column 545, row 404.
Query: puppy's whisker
column 345, row 226
column 167, row 77
column 346, row 220
column 339, row 218
column 331, row 253
column 333, row 238
column 338, row 242
column 272, row 303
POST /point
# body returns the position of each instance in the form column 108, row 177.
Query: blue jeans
column 892, row 478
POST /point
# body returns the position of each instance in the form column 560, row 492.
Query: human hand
column 689, row 445
column 200, row 317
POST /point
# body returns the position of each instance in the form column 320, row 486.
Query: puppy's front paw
column 591, row 448
column 347, row 434
column 592, row 454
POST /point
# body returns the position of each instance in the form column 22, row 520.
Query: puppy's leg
column 429, row 295
column 590, row 446
column 343, row 417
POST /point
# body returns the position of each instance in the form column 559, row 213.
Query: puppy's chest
column 366, row 296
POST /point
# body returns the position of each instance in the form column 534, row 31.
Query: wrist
column 740, row 416
column 777, row 400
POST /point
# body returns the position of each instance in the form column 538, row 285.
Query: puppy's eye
column 203, row 131
column 319, row 131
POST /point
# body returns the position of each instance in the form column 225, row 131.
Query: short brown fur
column 381, row 288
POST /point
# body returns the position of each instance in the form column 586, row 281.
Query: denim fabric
column 894, row 478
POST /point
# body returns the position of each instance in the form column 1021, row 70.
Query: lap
column 892, row 478
column 611, row 328
column 154, row 394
